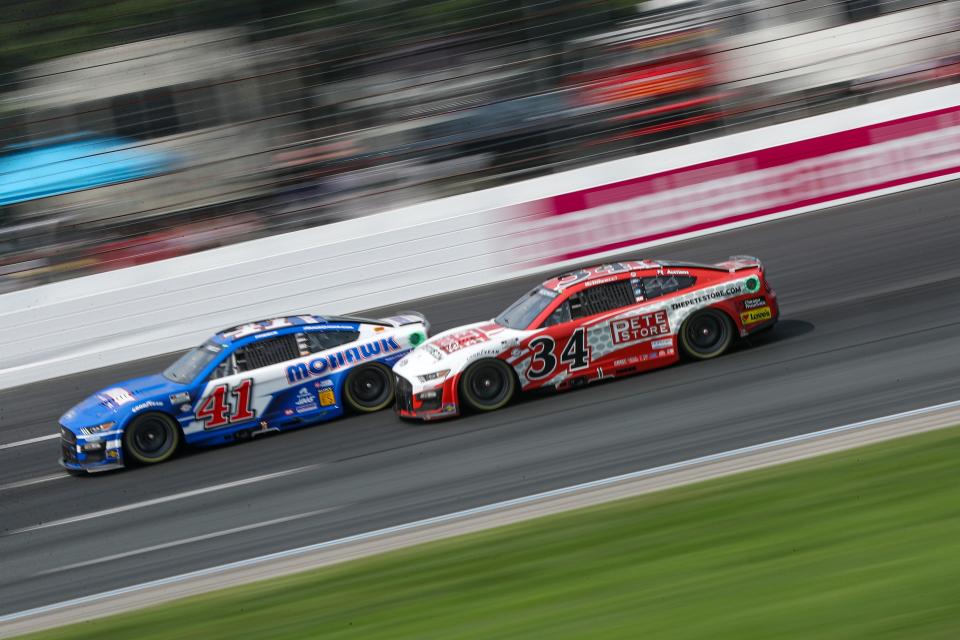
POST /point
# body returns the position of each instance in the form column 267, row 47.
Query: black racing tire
column 369, row 388
column 706, row 334
column 151, row 438
column 487, row 385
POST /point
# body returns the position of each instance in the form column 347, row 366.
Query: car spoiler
column 731, row 264
column 407, row 317
column 399, row 320
column 736, row 263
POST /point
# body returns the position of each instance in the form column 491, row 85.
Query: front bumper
column 422, row 402
column 99, row 452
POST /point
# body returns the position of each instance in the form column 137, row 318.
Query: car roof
column 247, row 329
column 231, row 335
column 614, row 270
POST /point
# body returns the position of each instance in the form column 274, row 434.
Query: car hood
column 455, row 348
column 120, row 400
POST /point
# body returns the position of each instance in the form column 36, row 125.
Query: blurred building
column 791, row 57
column 143, row 151
column 194, row 96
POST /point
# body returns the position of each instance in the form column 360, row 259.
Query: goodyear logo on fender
column 756, row 315
column 322, row 364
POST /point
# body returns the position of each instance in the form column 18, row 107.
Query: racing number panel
column 216, row 412
column 574, row 355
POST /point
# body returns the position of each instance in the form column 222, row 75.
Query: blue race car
column 245, row 381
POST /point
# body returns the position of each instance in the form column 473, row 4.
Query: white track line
column 27, row 483
column 177, row 543
column 460, row 515
column 11, row 445
column 155, row 501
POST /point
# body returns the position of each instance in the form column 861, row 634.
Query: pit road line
column 493, row 515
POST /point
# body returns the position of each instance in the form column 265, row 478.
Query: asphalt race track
column 870, row 297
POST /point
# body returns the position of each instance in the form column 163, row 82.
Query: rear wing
column 400, row 320
column 407, row 317
column 737, row 263
column 731, row 264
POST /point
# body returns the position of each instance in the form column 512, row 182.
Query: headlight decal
column 436, row 375
column 100, row 428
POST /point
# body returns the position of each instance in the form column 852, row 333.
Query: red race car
column 601, row 322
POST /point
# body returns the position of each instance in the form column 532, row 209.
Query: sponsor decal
column 756, row 315
column 753, row 283
column 661, row 344
column 179, row 398
column 639, row 327
column 146, row 405
column 117, row 396
column 288, row 412
column 322, row 364
column 416, row 338
column 593, row 283
column 330, row 327
column 753, row 303
column 707, row 297
column 433, row 351
column 458, row 341
column 305, row 401
column 327, row 398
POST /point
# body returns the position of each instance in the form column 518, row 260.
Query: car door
column 645, row 331
column 242, row 389
column 576, row 340
column 319, row 340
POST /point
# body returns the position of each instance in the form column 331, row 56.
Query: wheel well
column 689, row 352
column 513, row 372
column 176, row 423
column 726, row 313
column 359, row 367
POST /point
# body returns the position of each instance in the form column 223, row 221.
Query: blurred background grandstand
column 138, row 130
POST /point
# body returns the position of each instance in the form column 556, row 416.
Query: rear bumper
column 767, row 324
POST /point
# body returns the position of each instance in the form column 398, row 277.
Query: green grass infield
column 859, row 544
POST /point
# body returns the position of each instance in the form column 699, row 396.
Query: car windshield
column 192, row 362
column 521, row 313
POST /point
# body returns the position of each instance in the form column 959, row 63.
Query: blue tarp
column 55, row 167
